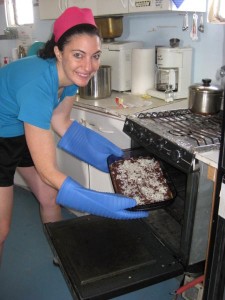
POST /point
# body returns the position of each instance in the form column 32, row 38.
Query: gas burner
column 176, row 135
column 204, row 130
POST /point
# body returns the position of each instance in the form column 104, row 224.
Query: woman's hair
column 48, row 50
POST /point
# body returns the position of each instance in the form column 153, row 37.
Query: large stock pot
column 205, row 98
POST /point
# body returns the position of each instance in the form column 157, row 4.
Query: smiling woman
column 16, row 14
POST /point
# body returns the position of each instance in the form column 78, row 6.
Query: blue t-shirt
column 29, row 93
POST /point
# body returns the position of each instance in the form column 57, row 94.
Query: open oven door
column 103, row 258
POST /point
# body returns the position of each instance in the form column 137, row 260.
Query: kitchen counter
column 133, row 104
column 210, row 158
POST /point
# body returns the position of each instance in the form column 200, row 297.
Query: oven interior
column 167, row 223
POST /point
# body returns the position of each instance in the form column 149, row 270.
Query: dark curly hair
column 48, row 50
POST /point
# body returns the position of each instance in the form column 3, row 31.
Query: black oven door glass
column 103, row 258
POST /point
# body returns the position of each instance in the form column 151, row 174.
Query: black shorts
column 13, row 153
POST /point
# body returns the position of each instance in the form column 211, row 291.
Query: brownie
column 140, row 178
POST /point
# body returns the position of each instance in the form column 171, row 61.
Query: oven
column 102, row 258
column 175, row 137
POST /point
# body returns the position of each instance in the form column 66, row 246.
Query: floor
column 27, row 271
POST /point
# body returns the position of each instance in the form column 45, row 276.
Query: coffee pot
column 165, row 77
column 173, row 68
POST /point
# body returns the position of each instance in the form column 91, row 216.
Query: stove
column 172, row 241
column 176, row 135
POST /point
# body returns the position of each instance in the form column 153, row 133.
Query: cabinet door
column 72, row 166
column 51, row 9
column 92, row 4
column 110, row 128
column 190, row 5
column 136, row 6
column 111, row 7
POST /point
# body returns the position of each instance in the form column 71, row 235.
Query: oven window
column 167, row 222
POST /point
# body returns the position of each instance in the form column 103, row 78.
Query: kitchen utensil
column 194, row 31
column 21, row 52
column 110, row 27
column 201, row 24
column 174, row 42
column 99, row 86
column 205, row 98
column 142, row 182
column 185, row 23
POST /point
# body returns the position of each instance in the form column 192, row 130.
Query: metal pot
column 99, row 86
column 205, row 98
column 110, row 27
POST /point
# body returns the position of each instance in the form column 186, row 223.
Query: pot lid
column 205, row 87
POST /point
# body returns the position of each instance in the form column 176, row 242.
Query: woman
column 36, row 95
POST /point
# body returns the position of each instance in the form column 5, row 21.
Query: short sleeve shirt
column 29, row 93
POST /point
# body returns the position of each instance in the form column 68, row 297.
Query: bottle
column 5, row 61
column 169, row 95
column 21, row 52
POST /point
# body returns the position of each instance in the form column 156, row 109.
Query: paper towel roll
column 142, row 70
column 14, row 54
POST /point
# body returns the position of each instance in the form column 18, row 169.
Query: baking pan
column 148, row 205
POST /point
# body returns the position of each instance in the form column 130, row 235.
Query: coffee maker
column 173, row 71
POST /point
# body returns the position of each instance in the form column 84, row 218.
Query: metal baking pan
column 138, row 153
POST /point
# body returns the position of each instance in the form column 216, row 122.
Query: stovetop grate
column 177, row 135
column 200, row 130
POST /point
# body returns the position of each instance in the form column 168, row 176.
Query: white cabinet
column 121, row 7
column 51, row 9
column 112, row 129
column 92, row 4
column 190, row 5
column 108, row 7
column 72, row 166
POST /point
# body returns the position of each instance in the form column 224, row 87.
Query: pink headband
column 71, row 17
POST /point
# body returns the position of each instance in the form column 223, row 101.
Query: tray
column 142, row 153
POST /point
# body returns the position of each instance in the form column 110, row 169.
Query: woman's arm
column 42, row 148
column 61, row 116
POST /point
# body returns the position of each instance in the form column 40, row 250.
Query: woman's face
column 79, row 60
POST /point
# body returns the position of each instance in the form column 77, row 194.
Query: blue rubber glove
column 74, row 196
column 88, row 146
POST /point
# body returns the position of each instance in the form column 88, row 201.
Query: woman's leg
column 46, row 195
column 6, row 205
